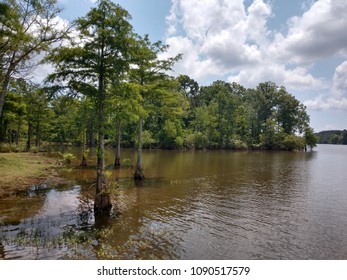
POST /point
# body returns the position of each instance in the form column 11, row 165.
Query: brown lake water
column 192, row 205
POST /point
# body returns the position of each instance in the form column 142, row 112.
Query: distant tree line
column 183, row 116
column 332, row 137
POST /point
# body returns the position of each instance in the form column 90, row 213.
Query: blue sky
column 299, row 44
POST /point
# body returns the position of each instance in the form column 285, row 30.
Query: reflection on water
column 192, row 205
column 42, row 235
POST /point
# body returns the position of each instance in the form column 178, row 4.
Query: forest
column 186, row 116
column 112, row 87
column 332, row 137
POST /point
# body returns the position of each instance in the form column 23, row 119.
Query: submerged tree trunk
column 102, row 201
column 100, row 152
column 84, row 159
column 90, row 136
column 139, row 174
column 117, row 163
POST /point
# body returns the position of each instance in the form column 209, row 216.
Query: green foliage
column 238, row 144
column 196, row 140
column 292, row 142
column 332, row 137
column 224, row 120
column 310, row 139
column 27, row 28
column 68, row 158
column 126, row 163
column 179, row 142
column 9, row 148
column 272, row 135
column 147, row 139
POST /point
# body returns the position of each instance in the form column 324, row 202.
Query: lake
column 192, row 205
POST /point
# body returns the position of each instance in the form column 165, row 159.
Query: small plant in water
column 68, row 158
column 111, row 184
column 126, row 163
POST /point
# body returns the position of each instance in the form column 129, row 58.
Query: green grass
column 21, row 170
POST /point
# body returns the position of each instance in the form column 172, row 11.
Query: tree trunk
column 2, row 100
column 102, row 201
column 139, row 175
column 4, row 87
column 38, row 135
column 117, row 163
column 84, row 160
column 100, row 180
column 18, row 130
column 90, row 136
column 6, row 82
column 29, row 135
column 2, row 135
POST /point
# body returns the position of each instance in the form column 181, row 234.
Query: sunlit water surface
column 192, row 205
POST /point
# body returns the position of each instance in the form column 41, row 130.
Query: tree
column 310, row 139
column 205, row 125
column 291, row 114
column 65, row 123
column 190, row 88
column 90, row 66
column 148, row 74
column 84, row 121
column 27, row 28
column 13, row 116
column 123, row 107
column 26, row 111
column 344, row 137
column 166, row 121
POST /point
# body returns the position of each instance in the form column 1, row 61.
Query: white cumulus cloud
column 336, row 97
column 318, row 33
column 220, row 38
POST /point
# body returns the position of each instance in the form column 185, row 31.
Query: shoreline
column 19, row 171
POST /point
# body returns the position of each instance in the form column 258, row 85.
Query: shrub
column 238, row 144
column 126, row 163
column 179, row 142
column 292, row 142
column 12, row 148
column 68, row 158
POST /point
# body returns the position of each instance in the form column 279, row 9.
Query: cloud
column 297, row 78
column 329, row 103
column 221, row 33
column 221, row 38
column 340, row 80
column 336, row 98
column 40, row 71
column 318, row 33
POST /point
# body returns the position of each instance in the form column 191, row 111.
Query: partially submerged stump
column 139, row 174
column 102, row 203
column 84, row 162
column 117, row 163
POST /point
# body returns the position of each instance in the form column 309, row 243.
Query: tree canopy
column 27, row 28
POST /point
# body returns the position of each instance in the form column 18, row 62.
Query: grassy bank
column 18, row 171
